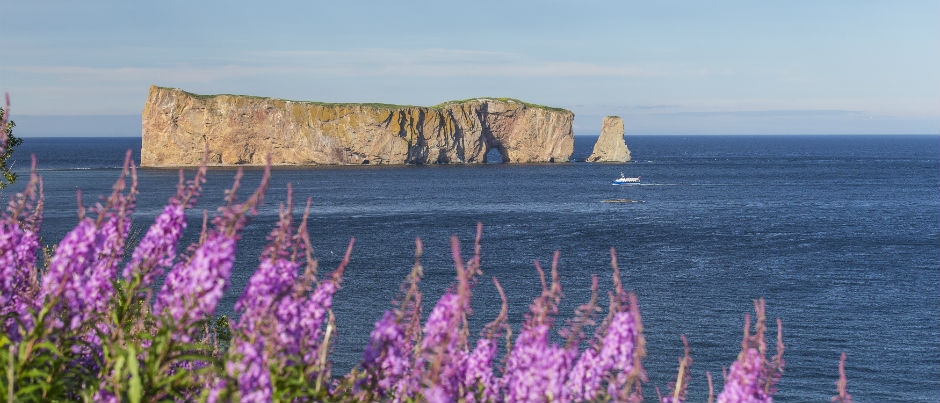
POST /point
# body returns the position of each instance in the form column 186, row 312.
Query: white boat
column 623, row 180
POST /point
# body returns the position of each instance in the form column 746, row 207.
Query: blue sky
column 722, row 67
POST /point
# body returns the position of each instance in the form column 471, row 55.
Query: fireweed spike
column 157, row 249
column 194, row 286
column 753, row 378
column 77, row 283
column 19, row 245
column 842, row 391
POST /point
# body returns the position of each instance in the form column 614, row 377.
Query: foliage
column 375, row 105
column 11, row 142
column 502, row 99
column 89, row 327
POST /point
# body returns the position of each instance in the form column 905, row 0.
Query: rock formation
column 610, row 146
column 244, row 130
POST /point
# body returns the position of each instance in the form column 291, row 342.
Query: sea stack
column 179, row 126
column 610, row 146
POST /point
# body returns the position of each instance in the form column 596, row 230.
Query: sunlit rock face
column 610, row 146
column 179, row 127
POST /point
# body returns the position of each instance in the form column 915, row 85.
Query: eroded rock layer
column 610, row 146
column 241, row 130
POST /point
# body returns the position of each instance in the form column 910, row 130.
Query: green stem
column 10, row 371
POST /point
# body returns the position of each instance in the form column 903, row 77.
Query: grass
column 376, row 104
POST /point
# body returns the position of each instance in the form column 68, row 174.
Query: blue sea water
column 840, row 235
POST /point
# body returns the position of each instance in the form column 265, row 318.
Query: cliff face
column 610, row 146
column 177, row 127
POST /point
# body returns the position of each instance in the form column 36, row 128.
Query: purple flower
column 105, row 396
column 752, row 378
column 585, row 377
column 298, row 324
column 272, row 280
column 614, row 353
column 277, row 271
column 385, row 359
column 280, row 325
column 479, row 382
column 19, row 238
column 253, row 371
column 16, row 244
column 80, row 274
column 19, row 243
column 111, row 236
column 744, row 384
column 194, row 287
column 156, row 251
column 316, row 309
column 271, row 283
column 391, row 371
column 75, row 276
column 254, row 346
column 15, row 248
column 441, row 331
column 445, row 335
column 386, row 355
column 437, row 394
column 623, row 345
column 216, row 388
column 536, row 371
column 617, row 351
column 452, row 374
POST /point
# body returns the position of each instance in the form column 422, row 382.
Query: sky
column 666, row 67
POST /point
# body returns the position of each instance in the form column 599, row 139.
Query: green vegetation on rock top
column 373, row 105
column 527, row 104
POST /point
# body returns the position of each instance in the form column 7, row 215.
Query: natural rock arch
column 178, row 127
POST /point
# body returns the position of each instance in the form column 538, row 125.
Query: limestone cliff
column 177, row 127
column 610, row 146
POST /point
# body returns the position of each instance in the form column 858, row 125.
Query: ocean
column 840, row 235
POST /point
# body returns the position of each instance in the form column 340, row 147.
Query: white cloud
column 363, row 74
column 182, row 73
column 364, row 62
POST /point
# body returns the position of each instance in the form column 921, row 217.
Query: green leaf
column 135, row 389
column 11, row 365
column 51, row 347
column 30, row 389
column 35, row 373
column 118, row 370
